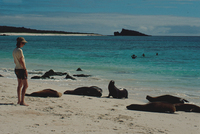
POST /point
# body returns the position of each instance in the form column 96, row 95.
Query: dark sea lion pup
column 115, row 92
column 153, row 107
column 88, row 91
column 166, row 98
column 187, row 107
column 46, row 93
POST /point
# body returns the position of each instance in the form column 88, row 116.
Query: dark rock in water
column 69, row 77
column 48, row 74
column 45, row 93
column 36, row 77
column 40, row 77
column 79, row 69
column 1, row 75
column 86, row 91
column 126, row 32
column 52, row 73
column 82, row 75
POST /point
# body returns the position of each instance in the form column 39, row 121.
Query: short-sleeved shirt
column 17, row 54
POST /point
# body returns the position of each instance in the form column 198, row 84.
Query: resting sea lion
column 45, row 93
column 115, row 92
column 166, row 98
column 88, row 91
column 187, row 107
column 154, row 107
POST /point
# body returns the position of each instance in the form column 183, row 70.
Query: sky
column 152, row 17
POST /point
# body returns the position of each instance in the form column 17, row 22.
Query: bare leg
column 25, row 86
column 19, row 90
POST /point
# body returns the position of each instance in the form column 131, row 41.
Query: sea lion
column 45, row 93
column 166, row 98
column 115, row 92
column 86, row 91
column 187, row 107
column 153, row 107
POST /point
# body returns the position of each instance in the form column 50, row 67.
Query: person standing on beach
column 20, row 70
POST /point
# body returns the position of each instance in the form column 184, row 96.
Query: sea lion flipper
column 185, row 100
column 108, row 96
column 27, row 94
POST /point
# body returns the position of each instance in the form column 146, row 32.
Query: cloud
column 178, row 30
column 107, row 23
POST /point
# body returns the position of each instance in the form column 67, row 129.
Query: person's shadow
column 7, row 104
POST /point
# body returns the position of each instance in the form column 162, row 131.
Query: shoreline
column 46, row 34
column 137, row 92
column 84, row 114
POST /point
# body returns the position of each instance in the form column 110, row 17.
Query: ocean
column 175, row 70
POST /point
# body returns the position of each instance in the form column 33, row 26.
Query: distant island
column 126, row 32
column 5, row 30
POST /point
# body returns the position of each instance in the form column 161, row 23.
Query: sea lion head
column 69, row 92
column 112, row 82
column 149, row 98
column 111, row 85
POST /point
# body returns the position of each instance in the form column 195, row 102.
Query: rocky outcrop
column 69, row 77
column 48, row 74
column 51, row 72
column 11, row 29
column 79, row 69
column 126, row 32
column 82, row 75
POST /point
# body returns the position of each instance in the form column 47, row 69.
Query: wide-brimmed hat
column 21, row 39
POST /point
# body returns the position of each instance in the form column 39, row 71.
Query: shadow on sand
column 7, row 104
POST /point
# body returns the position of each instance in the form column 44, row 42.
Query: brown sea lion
column 86, row 91
column 46, row 93
column 166, row 98
column 153, row 107
column 115, row 92
column 187, row 107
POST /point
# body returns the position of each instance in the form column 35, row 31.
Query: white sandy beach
column 77, row 114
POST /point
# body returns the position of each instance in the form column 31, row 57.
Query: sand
column 85, row 115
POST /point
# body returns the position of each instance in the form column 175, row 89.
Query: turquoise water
column 176, row 68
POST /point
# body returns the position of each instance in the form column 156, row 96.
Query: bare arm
column 21, row 61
